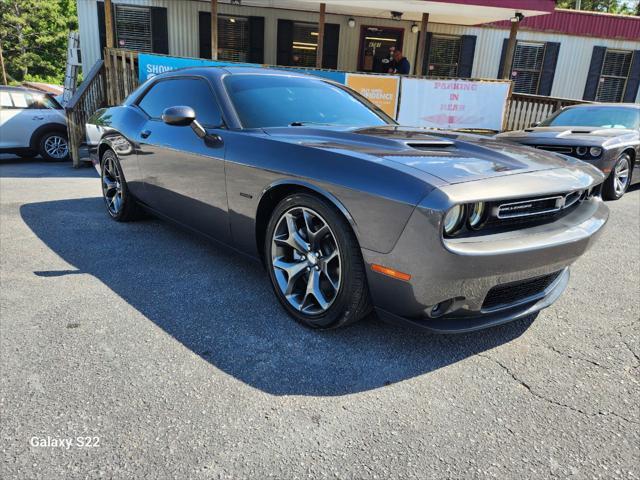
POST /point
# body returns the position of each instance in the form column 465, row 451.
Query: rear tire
column 618, row 181
column 54, row 146
column 121, row 205
column 315, row 263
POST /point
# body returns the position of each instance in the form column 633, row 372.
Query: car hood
column 451, row 156
column 568, row 135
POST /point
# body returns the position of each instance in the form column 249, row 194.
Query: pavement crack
column 574, row 357
column 550, row 400
column 635, row 355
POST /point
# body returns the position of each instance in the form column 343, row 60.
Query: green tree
column 628, row 7
column 33, row 34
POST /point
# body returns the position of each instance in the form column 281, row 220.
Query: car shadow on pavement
column 13, row 167
column 219, row 304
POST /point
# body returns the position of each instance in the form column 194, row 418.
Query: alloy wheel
column 306, row 261
column 56, row 147
column 621, row 176
column 112, row 185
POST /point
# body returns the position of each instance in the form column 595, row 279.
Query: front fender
column 320, row 191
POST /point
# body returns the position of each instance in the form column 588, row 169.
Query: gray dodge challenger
column 348, row 211
column 604, row 135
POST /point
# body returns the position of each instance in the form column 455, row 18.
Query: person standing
column 400, row 64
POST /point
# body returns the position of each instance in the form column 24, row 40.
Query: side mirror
column 536, row 124
column 182, row 116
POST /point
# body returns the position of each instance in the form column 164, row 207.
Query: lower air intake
column 509, row 293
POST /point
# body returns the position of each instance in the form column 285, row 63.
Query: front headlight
column 582, row 151
column 595, row 151
column 476, row 214
column 453, row 220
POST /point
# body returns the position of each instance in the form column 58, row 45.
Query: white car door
column 22, row 113
column 10, row 135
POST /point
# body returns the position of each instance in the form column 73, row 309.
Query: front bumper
column 465, row 321
column 460, row 273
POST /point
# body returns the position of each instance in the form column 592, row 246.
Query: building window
column 614, row 75
column 444, row 55
column 305, row 44
column 527, row 62
column 233, row 39
column 133, row 28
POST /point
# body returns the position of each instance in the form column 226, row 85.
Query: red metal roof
column 585, row 24
column 519, row 5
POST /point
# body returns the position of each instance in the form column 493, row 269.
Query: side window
column 192, row 92
column 5, row 100
column 19, row 100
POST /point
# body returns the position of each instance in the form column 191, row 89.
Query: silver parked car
column 347, row 210
column 604, row 135
column 32, row 123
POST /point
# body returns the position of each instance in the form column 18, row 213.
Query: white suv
column 32, row 122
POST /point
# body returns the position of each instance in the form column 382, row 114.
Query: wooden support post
column 108, row 23
column 323, row 8
column 511, row 48
column 4, row 72
column 214, row 29
column 422, row 45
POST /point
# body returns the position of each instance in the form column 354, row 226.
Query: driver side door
column 183, row 174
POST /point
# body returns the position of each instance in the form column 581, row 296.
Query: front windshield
column 278, row 101
column 602, row 117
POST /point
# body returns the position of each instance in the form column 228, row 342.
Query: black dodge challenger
column 348, row 211
column 605, row 135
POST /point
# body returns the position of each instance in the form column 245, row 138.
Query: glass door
column 376, row 47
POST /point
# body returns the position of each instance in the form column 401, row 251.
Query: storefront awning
column 456, row 12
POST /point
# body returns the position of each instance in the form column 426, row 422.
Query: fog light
column 440, row 309
column 453, row 220
column 476, row 216
column 582, row 151
column 595, row 151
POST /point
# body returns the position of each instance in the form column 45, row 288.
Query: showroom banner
column 381, row 90
column 150, row 65
column 453, row 104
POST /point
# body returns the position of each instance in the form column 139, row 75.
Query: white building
column 567, row 54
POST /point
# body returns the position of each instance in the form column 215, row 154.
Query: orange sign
column 381, row 90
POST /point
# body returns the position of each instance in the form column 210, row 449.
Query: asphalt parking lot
column 175, row 354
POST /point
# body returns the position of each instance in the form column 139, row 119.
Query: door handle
column 145, row 133
column 37, row 117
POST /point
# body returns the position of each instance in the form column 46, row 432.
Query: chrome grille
column 537, row 206
column 555, row 148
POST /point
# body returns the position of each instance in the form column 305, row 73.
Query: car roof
column 610, row 104
column 15, row 88
column 217, row 72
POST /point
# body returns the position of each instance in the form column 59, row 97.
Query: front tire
column 618, row 181
column 121, row 206
column 54, row 146
column 315, row 264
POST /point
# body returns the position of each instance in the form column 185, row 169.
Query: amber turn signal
column 390, row 272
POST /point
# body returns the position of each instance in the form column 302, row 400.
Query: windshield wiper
column 301, row 124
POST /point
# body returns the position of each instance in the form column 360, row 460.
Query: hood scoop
column 430, row 145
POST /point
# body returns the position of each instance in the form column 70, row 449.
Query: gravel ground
column 175, row 354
